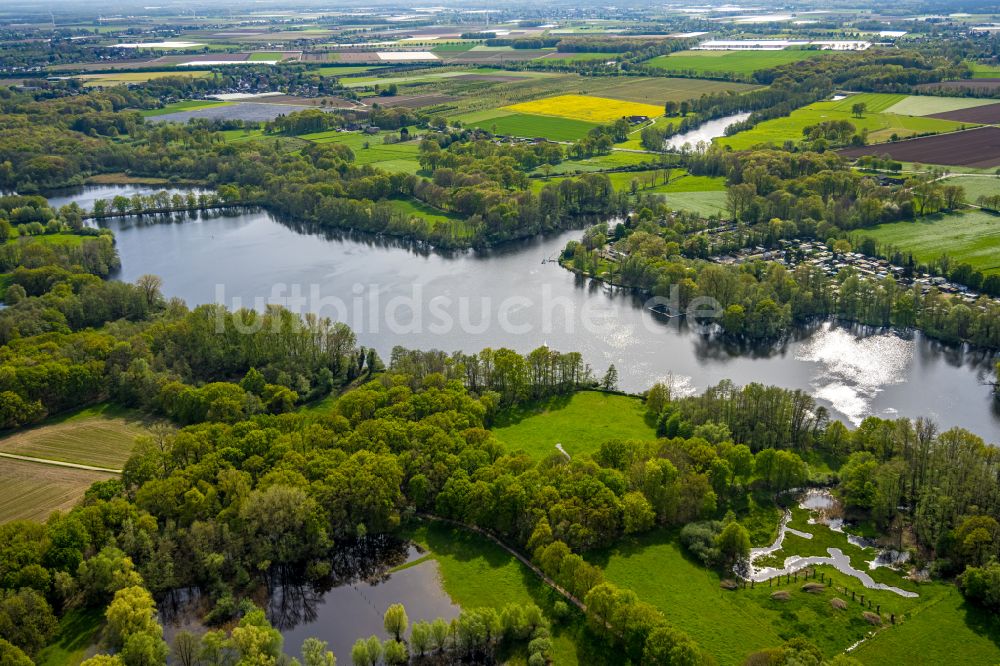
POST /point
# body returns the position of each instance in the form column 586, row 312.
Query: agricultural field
column 984, row 71
column 580, row 423
column 344, row 70
column 586, row 108
column 971, row 237
column 528, row 125
column 568, row 57
column 99, row 438
column 656, row 91
column 125, row 78
column 728, row 62
column 988, row 114
column 929, row 105
column 978, row 148
column 32, row 491
column 879, row 119
column 186, row 105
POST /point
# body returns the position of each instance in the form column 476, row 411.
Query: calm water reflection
column 393, row 295
column 348, row 605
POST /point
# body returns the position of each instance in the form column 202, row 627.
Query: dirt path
column 59, row 463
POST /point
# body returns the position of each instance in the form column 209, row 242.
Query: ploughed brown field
column 981, row 115
column 979, row 148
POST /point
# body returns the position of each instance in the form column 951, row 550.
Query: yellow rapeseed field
column 584, row 107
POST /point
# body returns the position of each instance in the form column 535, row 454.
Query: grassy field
column 585, row 107
column 31, row 491
column 880, row 123
column 78, row 630
column 935, row 633
column 475, row 573
column 528, row 125
column 612, row 160
column 580, row 423
column 186, row 105
column 731, row 625
column 983, row 71
column 728, row 62
column 416, row 208
column 257, row 56
column 100, row 436
column 559, row 57
column 401, row 157
column 971, row 237
column 976, row 186
column 344, row 70
column 121, row 78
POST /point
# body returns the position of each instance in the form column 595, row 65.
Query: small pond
column 367, row 578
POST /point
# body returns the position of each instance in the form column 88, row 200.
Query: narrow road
column 59, row 463
column 521, row 558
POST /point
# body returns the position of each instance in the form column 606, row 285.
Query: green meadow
column 530, row 126
column 581, row 423
column 728, row 62
column 971, row 236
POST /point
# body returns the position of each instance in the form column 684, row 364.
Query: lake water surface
column 396, row 295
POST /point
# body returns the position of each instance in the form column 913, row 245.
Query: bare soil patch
column 979, row 148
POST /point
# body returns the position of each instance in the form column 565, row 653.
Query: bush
column 700, row 540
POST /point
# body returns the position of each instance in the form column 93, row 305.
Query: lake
column 393, row 294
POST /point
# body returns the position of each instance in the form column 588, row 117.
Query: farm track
column 59, row 463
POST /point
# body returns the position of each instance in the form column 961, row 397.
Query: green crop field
column 728, row 62
column 344, row 70
column 971, row 237
column 529, row 125
column 881, row 124
column 97, row 437
column 561, row 57
column 186, row 105
column 581, row 424
column 266, row 55
column 925, row 105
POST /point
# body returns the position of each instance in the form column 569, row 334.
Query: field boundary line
column 59, row 463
